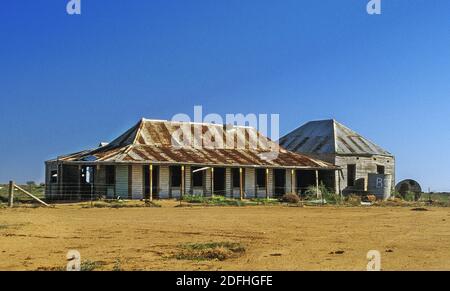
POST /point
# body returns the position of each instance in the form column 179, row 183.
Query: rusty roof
column 329, row 137
column 171, row 142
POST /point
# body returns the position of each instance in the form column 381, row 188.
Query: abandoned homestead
column 360, row 159
column 148, row 161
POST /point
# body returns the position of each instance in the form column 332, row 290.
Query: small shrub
column 210, row 251
column 353, row 199
column 213, row 201
column 193, row 199
column 149, row 203
column 290, row 198
column 117, row 266
column 88, row 266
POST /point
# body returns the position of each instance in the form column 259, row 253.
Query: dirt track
column 276, row 238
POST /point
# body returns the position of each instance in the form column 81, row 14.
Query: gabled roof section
column 329, row 137
column 170, row 142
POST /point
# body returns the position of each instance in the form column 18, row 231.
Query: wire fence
column 124, row 190
column 141, row 191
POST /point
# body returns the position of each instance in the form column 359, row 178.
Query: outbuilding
column 333, row 142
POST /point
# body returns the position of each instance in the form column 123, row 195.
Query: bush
column 290, row 198
column 353, row 199
column 212, row 201
column 210, row 251
column 193, row 199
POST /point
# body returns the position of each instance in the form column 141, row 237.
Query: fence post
column 11, row 194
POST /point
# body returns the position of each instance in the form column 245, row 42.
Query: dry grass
column 210, row 251
column 275, row 237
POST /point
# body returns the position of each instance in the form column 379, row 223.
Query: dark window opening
column 175, row 176
column 304, row 179
column 197, row 177
column 280, row 182
column 351, row 175
column 380, row 169
column 261, row 178
column 54, row 176
column 236, row 178
column 110, row 175
column 219, row 181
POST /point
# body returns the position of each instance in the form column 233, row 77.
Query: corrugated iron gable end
column 169, row 142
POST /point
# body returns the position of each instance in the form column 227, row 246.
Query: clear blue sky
column 69, row 82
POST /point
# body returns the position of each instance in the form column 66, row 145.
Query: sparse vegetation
column 88, row 266
column 213, row 201
column 210, row 251
column 117, row 266
column 265, row 201
column 290, row 198
column 353, row 200
column 119, row 204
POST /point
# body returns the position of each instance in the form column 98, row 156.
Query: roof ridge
column 196, row 123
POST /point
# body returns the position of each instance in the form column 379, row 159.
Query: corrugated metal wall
column 228, row 192
column 51, row 189
column 250, row 182
column 122, row 181
column 100, row 181
column 188, row 180
column 137, row 187
column 271, row 184
column 164, row 182
column 207, row 176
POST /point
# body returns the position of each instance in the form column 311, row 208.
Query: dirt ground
column 275, row 237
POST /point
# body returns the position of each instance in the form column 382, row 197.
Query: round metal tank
column 409, row 185
column 380, row 185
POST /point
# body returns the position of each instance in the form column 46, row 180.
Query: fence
column 12, row 187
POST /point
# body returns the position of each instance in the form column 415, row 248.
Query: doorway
column 279, row 177
column 219, row 181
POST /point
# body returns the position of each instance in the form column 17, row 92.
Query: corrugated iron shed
column 163, row 142
column 329, row 137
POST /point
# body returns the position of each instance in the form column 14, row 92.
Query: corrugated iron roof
column 169, row 142
column 329, row 137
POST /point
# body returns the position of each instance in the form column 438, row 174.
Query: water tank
column 380, row 185
column 406, row 186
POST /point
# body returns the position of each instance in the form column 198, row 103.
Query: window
column 110, row 175
column 351, row 175
column 54, row 176
column 261, row 178
column 236, row 178
column 380, row 169
column 175, row 176
column 197, row 178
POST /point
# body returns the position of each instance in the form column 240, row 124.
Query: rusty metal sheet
column 151, row 141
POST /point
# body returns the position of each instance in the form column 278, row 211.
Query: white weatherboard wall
column 164, row 182
column 250, row 183
column 208, row 185
column 136, row 182
column 188, row 180
column 228, row 182
column 122, row 181
column 270, row 183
